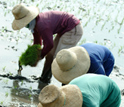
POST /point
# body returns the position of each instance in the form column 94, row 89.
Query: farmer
column 76, row 61
column 43, row 26
column 88, row 90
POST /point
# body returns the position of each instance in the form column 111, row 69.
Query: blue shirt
column 100, row 57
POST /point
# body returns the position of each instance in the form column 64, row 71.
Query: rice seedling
column 112, row 27
column 30, row 56
column 122, row 22
column 88, row 12
column 104, row 43
column 4, row 68
column 10, row 73
column 86, row 24
column 119, row 30
column 5, row 14
column 6, row 94
column 37, row 4
column 30, row 96
column 113, row 45
column 15, row 87
column 22, row 82
column 95, row 41
column 101, row 43
column 116, row 18
column 108, row 17
column 91, row 12
column 30, row 87
column 98, row 1
column 1, row 102
column 120, row 49
column 103, row 25
column 5, row 81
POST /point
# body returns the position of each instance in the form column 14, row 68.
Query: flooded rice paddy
column 102, row 22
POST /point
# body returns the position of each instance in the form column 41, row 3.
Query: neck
column 32, row 25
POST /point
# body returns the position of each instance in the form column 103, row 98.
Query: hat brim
column 33, row 13
column 39, row 105
column 81, row 67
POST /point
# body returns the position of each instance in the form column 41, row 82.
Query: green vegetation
column 4, row 68
column 31, row 55
column 98, row 18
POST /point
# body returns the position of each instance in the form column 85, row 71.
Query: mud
column 102, row 24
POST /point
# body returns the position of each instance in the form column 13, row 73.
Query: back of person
column 102, row 60
column 101, row 51
column 98, row 90
column 57, row 21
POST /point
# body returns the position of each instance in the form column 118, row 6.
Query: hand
column 41, row 57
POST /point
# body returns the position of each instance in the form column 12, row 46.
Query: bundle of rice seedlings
column 31, row 55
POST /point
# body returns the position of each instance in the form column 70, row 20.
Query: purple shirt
column 50, row 23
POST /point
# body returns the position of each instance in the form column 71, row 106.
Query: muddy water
column 97, row 20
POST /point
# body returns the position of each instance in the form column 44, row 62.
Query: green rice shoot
column 31, row 55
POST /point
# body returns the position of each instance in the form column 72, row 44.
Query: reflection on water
column 28, row 95
column 101, row 23
column 23, row 96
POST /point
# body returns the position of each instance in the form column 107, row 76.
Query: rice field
column 102, row 21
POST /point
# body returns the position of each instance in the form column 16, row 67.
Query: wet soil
column 102, row 24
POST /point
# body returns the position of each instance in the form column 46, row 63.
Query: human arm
column 37, row 38
column 47, row 37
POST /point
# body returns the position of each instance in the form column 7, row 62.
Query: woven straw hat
column 23, row 15
column 70, row 63
column 65, row 96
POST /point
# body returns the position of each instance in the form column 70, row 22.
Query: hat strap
column 64, row 100
column 21, row 17
column 70, row 68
